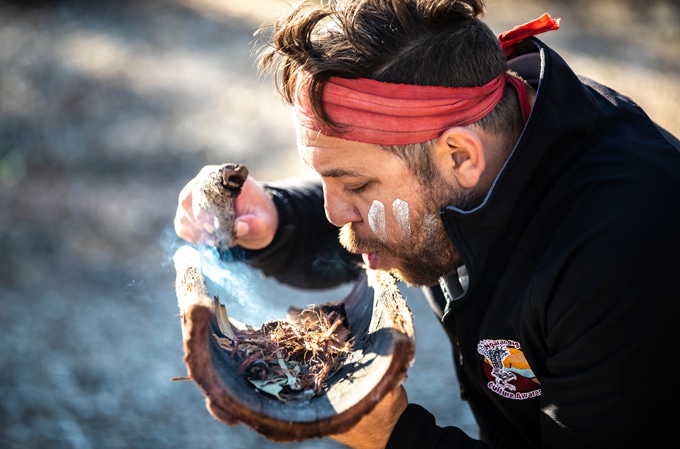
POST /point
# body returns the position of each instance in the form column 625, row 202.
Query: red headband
column 397, row 114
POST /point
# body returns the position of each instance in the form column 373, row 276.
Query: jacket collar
column 561, row 115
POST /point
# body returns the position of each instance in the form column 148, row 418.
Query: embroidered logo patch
column 507, row 369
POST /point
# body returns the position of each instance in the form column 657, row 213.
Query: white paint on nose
column 401, row 213
column 376, row 220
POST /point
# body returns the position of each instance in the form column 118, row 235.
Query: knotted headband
column 383, row 113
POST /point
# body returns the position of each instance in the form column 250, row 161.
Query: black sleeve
column 417, row 428
column 305, row 252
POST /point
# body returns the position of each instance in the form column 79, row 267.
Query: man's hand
column 374, row 429
column 256, row 216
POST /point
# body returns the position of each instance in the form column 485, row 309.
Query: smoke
column 244, row 291
column 248, row 295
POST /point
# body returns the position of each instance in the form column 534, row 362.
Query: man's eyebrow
column 339, row 172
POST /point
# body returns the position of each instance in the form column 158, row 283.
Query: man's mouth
column 371, row 260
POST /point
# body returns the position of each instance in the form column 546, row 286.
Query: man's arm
column 305, row 251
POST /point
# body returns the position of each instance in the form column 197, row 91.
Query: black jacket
column 564, row 328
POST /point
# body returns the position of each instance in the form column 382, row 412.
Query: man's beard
column 425, row 254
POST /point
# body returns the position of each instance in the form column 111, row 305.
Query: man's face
column 383, row 212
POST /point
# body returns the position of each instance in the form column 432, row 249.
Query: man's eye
column 356, row 190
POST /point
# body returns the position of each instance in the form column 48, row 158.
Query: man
column 539, row 211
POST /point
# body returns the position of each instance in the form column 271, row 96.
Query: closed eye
column 356, row 190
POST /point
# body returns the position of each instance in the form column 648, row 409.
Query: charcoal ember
column 220, row 189
column 258, row 370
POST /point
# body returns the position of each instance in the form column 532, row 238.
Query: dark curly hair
column 426, row 42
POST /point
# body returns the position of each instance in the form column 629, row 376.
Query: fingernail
column 240, row 229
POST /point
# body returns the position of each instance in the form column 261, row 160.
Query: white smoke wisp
column 246, row 293
column 249, row 296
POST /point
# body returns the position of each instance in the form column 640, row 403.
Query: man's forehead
column 308, row 138
column 315, row 149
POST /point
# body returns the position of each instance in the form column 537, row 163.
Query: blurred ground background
column 107, row 108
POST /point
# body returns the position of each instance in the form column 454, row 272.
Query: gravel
column 106, row 110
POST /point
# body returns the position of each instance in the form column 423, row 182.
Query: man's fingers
column 253, row 231
column 374, row 429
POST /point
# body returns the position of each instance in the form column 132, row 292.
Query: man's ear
column 459, row 155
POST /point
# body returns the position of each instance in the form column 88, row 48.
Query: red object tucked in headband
column 509, row 39
column 383, row 113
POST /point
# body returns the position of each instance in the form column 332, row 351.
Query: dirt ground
column 106, row 110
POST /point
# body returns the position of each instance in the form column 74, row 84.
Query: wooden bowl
column 383, row 350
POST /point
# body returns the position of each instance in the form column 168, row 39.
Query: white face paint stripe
column 401, row 213
column 430, row 224
column 376, row 219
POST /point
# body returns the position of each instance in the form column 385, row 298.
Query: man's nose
column 340, row 211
